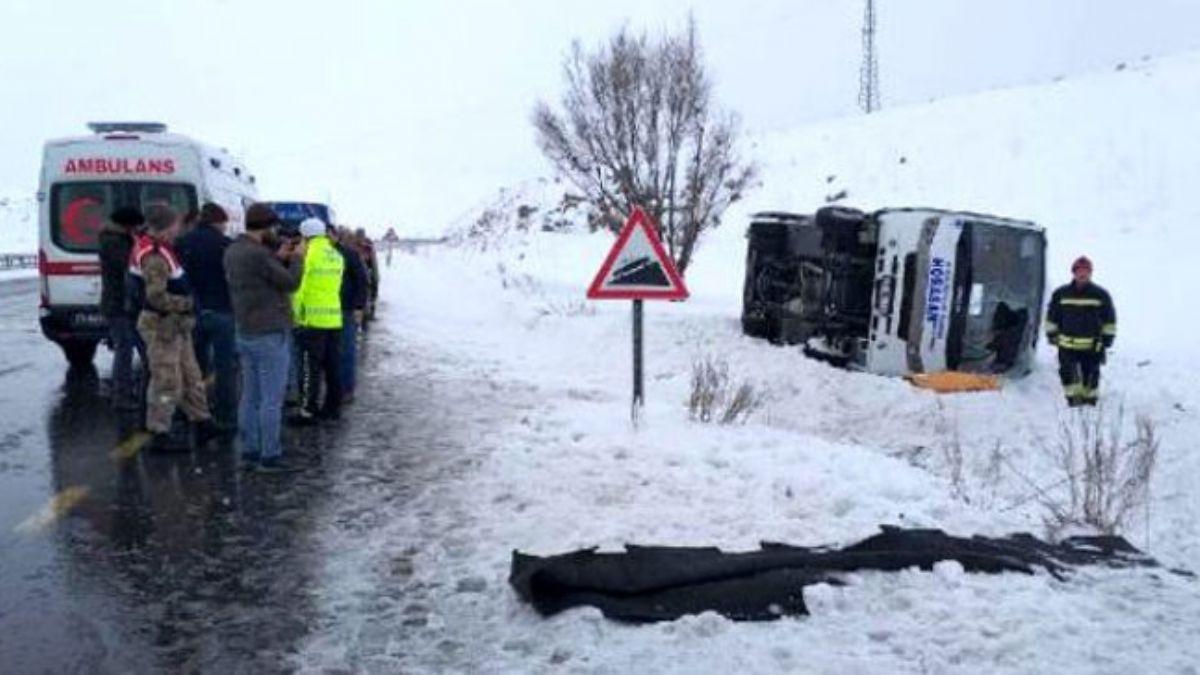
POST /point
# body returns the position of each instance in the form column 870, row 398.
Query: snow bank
column 1104, row 162
column 18, row 223
column 535, row 206
column 541, row 458
column 540, row 393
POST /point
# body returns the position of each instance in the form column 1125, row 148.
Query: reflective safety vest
column 135, row 285
column 1081, row 318
column 318, row 301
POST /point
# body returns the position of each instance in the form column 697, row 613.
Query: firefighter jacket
column 1081, row 318
column 318, row 302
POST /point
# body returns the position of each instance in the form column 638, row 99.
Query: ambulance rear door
column 83, row 182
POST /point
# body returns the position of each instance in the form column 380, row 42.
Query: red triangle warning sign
column 637, row 267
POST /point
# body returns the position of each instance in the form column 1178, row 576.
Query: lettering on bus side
column 120, row 166
column 937, row 297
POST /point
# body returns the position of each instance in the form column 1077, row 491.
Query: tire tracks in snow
column 399, row 536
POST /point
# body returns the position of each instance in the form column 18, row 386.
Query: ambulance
column 899, row 291
column 84, row 179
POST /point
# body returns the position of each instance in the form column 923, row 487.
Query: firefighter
column 1082, row 323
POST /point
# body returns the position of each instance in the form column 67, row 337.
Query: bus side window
column 906, row 298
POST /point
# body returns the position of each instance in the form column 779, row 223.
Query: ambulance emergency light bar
column 127, row 127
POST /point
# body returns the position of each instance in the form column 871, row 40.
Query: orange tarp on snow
column 950, row 382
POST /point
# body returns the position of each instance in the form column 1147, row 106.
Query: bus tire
column 79, row 353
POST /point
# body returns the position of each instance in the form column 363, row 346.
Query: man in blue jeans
column 261, row 281
column 202, row 252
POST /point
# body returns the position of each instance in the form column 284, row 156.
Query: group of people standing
column 275, row 310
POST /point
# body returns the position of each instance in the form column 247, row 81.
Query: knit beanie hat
column 260, row 217
column 127, row 216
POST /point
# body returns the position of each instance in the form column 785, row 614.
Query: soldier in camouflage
column 159, row 287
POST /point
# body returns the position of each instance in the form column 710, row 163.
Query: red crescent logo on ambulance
column 81, row 221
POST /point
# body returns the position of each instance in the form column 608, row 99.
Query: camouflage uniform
column 166, row 325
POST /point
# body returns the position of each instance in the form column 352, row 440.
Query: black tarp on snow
column 662, row 583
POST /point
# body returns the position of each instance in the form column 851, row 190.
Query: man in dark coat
column 1082, row 323
column 366, row 251
column 202, row 253
column 355, row 287
column 116, row 245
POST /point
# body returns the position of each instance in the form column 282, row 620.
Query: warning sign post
column 638, row 269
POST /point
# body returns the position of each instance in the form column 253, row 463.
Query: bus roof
column 296, row 211
column 1010, row 222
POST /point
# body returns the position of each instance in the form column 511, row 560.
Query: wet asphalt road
column 177, row 562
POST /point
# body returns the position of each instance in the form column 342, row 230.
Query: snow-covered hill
column 18, row 222
column 532, row 207
column 1104, row 162
column 1107, row 163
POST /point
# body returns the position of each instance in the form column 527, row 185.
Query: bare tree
column 638, row 127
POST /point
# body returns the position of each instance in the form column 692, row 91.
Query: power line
column 868, row 85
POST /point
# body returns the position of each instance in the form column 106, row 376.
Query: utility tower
column 868, row 86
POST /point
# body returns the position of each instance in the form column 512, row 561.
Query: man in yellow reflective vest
column 1082, row 323
column 317, row 310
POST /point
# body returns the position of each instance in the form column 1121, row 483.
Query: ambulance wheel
column 79, row 353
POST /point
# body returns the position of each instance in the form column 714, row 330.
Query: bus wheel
column 79, row 353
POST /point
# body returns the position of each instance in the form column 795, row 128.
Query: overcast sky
column 409, row 112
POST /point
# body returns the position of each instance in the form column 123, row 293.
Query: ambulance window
column 178, row 197
column 1029, row 246
column 79, row 211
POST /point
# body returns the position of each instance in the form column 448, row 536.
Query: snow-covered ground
column 18, row 229
column 18, row 223
column 531, row 386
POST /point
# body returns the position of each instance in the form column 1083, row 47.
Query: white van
column 898, row 291
column 84, row 179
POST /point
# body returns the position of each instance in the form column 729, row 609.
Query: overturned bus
column 898, row 291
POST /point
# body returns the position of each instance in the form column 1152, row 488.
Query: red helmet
column 1082, row 262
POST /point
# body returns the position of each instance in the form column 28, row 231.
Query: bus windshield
column 291, row 214
column 997, row 297
column 78, row 211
